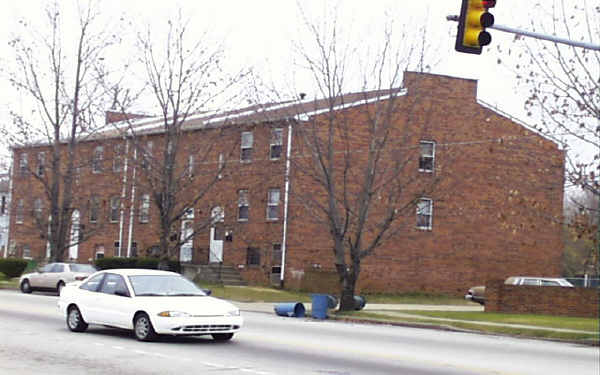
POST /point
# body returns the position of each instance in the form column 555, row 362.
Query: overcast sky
column 258, row 33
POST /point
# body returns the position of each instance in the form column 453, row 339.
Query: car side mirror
column 208, row 292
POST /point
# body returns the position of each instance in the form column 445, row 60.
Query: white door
column 216, row 235
column 74, row 248
column 185, row 252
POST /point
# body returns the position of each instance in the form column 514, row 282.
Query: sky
column 258, row 33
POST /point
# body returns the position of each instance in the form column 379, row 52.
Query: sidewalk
column 403, row 311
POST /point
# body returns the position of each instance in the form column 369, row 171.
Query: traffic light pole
column 531, row 34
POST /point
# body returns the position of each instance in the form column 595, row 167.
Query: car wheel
column 59, row 287
column 142, row 327
column 25, row 286
column 75, row 321
column 222, row 336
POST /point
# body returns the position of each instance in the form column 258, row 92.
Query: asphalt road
column 35, row 340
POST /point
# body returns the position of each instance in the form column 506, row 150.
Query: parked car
column 477, row 293
column 54, row 276
column 148, row 302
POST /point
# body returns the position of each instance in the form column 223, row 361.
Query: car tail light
column 80, row 277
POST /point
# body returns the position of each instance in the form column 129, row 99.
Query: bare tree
column 581, row 255
column 564, row 89
column 185, row 80
column 58, row 72
column 359, row 160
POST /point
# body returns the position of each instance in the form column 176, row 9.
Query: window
column 3, row 207
column 243, row 205
column 118, row 158
column 117, row 247
column 276, row 143
column 147, row 156
column 276, row 256
column 97, row 159
column 113, row 283
column 144, row 208
column 221, row 165
column 253, row 256
column 20, row 214
column 424, row 213
column 41, row 167
column 58, row 268
column 427, row 156
column 93, row 283
column 247, row 141
column 26, row 252
column 273, row 204
column 23, row 164
column 38, row 207
column 94, row 208
column 115, row 203
column 190, row 166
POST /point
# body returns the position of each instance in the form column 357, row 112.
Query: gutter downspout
column 9, row 204
column 132, row 207
column 123, row 192
column 286, row 202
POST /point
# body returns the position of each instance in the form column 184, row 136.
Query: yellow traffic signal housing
column 473, row 20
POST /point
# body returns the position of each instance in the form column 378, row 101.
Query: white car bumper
column 197, row 325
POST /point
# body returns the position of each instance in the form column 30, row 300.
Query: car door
column 40, row 279
column 54, row 275
column 87, row 298
column 115, row 306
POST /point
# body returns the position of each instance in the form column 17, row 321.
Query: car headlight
column 233, row 313
column 173, row 314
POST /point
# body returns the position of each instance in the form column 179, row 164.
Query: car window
column 58, row 268
column 92, row 284
column 85, row 268
column 164, row 285
column 534, row 282
column 112, row 283
column 550, row 283
column 48, row 267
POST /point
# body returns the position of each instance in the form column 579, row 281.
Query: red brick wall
column 523, row 299
column 500, row 191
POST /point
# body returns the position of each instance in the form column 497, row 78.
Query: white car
column 54, row 276
column 150, row 303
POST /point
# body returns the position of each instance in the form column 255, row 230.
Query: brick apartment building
column 494, row 213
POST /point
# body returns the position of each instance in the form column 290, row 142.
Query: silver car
column 54, row 276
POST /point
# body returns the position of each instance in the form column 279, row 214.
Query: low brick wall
column 547, row 300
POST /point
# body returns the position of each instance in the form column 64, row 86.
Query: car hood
column 193, row 305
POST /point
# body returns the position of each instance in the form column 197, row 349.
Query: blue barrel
column 320, row 302
column 291, row 309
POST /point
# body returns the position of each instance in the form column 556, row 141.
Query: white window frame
column 247, row 143
column 190, row 166
column 428, row 156
column 145, row 208
column 271, row 204
column 243, row 201
column 23, row 164
column 221, row 164
column 115, row 211
column 97, row 159
column 41, row 167
column 147, row 156
column 94, row 208
column 20, row 212
column 118, row 158
column 38, row 208
column 427, row 205
column 276, row 140
column 27, row 252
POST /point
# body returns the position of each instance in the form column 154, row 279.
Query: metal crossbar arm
column 551, row 38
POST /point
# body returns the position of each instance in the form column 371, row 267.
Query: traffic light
column 473, row 20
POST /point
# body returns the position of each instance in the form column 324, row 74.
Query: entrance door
column 187, row 230
column 216, row 235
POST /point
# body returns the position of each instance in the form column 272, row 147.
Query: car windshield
column 83, row 268
column 163, row 285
